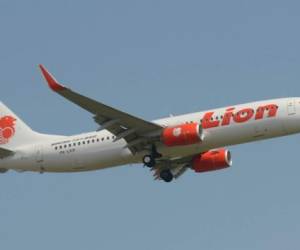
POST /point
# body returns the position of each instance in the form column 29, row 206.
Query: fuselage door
column 39, row 157
column 291, row 107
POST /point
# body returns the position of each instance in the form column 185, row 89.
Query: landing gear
column 166, row 175
column 149, row 160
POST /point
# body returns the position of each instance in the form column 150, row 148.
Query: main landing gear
column 149, row 160
column 166, row 175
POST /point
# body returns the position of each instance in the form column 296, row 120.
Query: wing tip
column 52, row 82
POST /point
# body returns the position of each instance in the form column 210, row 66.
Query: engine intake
column 182, row 135
column 212, row 160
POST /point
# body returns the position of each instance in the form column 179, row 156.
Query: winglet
column 52, row 82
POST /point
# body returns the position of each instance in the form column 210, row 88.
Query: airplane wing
column 5, row 153
column 124, row 126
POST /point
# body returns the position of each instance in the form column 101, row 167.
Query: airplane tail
column 13, row 131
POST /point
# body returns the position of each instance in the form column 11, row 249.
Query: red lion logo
column 7, row 128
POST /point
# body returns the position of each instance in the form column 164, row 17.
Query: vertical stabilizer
column 13, row 131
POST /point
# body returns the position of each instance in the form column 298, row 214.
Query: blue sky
column 152, row 59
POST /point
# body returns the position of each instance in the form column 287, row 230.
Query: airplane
column 169, row 146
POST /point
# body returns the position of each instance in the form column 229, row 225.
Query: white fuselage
column 97, row 150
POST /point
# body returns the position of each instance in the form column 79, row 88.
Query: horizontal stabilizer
column 5, row 153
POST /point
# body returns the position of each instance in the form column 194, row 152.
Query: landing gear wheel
column 166, row 175
column 149, row 161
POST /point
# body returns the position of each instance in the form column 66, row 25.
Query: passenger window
column 78, row 143
column 83, row 142
column 65, row 146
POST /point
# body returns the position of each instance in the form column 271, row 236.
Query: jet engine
column 182, row 135
column 212, row 160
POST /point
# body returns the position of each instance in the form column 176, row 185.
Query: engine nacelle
column 212, row 160
column 182, row 135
